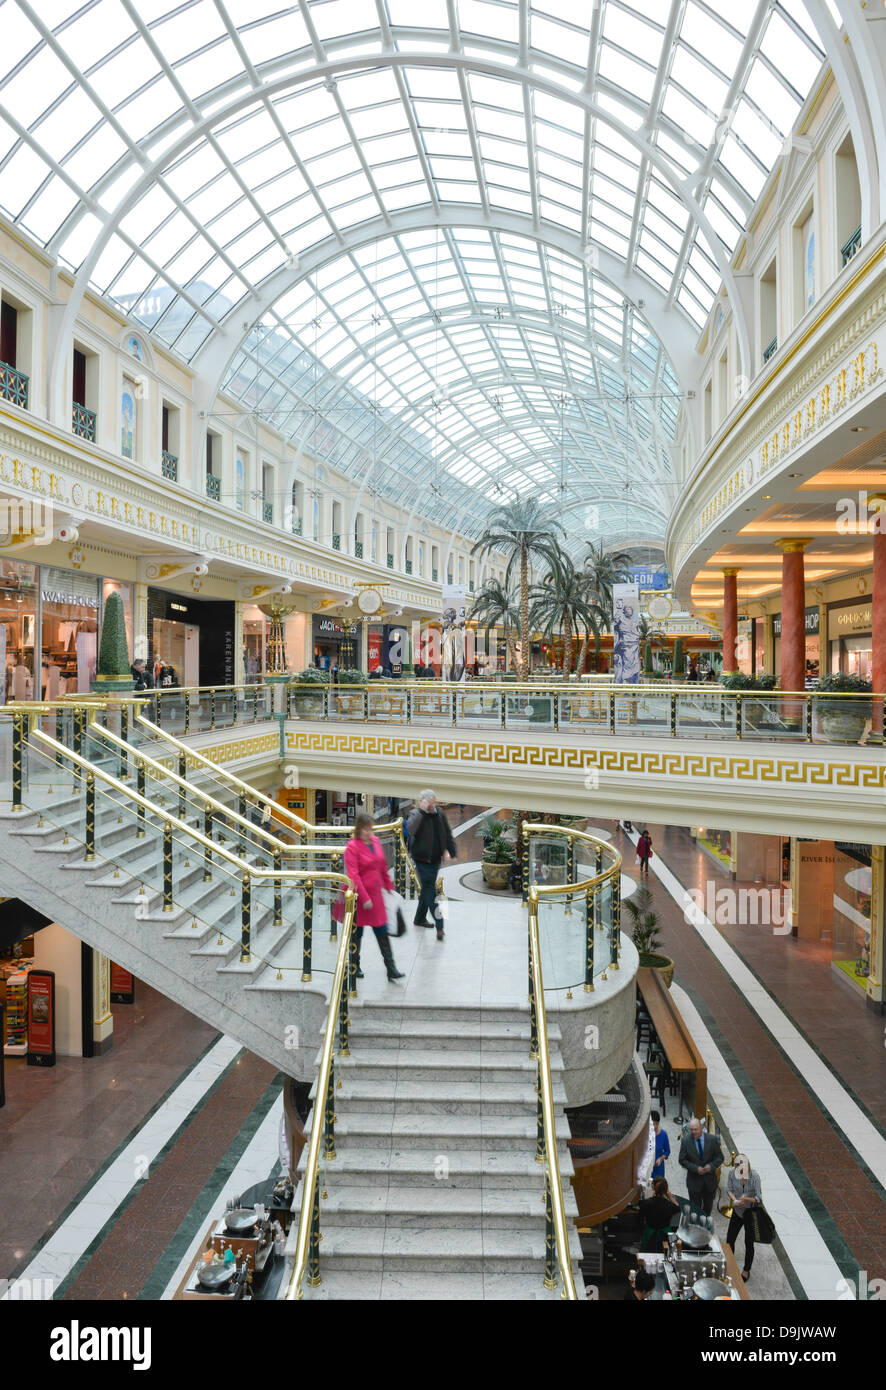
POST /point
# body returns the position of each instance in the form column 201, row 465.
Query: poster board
column 41, row 1018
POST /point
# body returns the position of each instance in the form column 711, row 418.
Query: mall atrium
column 442, row 451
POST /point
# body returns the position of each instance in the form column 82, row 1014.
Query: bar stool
column 645, row 1028
column 662, row 1081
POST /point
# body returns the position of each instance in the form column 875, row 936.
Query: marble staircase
column 435, row 1192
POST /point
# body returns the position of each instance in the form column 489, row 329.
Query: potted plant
column 309, row 691
column 844, row 720
column 112, row 670
column 679, row 672
column 498, row 853
column 644, row 934
column 350, row 700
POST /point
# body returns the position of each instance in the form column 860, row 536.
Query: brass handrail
column 554, row 1206
column 307, row 1242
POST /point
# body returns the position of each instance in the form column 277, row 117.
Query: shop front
column 850, row 641
column 813, row 643
column 190, row 640
column 50, row 620
column 335, row 644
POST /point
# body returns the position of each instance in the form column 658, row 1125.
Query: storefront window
column 18, row 625
column 852, row 914
column 70, row 612
column 254, row 622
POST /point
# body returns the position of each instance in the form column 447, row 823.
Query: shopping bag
column 395, row 915
column 762, row 1225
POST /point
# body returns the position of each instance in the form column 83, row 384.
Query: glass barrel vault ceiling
column 177, row 156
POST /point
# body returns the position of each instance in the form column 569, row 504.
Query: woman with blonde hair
column 744, row 1187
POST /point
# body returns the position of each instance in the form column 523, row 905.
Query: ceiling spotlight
column 857, row 429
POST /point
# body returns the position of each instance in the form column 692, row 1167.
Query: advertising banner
column 453, row 623
column 626, row 633
column 41, row 1018
column 122, row 985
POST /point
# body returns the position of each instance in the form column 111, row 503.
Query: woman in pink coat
column 367, row 868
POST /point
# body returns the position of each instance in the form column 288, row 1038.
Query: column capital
column 730, row 570
column 793, row 545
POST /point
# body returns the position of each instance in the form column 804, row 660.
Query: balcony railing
column 13, row 385
column 358, row 550
column 471, row 586
column 267, row 511
column 770, row 350
column 213, row 487
column 169, row 465
column 336, row 541
column 851, row 247
column 390, row 561
column 435, row 575
column 296, row 526
column 83, row 421
column 408, row 566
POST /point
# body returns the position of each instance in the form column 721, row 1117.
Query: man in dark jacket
column 430, row 841
column 142, row 677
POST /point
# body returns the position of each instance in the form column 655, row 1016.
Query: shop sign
column 329, row 630
column 850, row 619
column 813, row 614
column 647, row 578
column 41, row 1018
column 122, row 985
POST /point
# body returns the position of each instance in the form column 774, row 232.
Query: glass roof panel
column 91, row 91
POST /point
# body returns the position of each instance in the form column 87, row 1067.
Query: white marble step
column 404, row 1285
column 446, row 1097
column 421, row 1167
column 481, row 1035
column 406, row 1130
column 435, row 1209
column 451, row 1251
column 446, row 1065
column 395, row 1013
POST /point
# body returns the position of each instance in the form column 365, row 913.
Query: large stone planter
column 496, row 875
column 663, row 964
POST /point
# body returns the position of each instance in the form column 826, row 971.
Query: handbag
column 395, row 912
column 762, row 1226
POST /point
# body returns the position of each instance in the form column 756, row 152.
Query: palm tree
column 496, row 605
column 521, row 531
column 562, row 601
column 605, row 568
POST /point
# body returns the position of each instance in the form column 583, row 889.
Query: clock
column 369, row 601
column 660, row 608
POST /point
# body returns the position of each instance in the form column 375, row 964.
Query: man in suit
column 701, row 1156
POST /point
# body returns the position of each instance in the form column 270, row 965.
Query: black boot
column 384, row 945
column 359, row 972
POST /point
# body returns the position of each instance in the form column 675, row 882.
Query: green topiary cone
column 113, row 655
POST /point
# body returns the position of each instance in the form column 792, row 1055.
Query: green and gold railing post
column 615, row 924
column 18, row 759
column 809, row 719
column 140, row 788
column 454, row 708
column 245, row 918
column 255, row 696
column 570, row 871
column 408, row 704
column 124, row 734
column 329, row 1114
column 308, row 929
column 89, row 854
column 59, row 734
column 540, row 1151
column 556, row 702
column 611, row 711
column 182, row 772
column 188, row 712
column 400, row 875
column 365, row 704
column 351, row 982
column 738, row 714
column 207, row 831
column 313, row 1271
column 673, row 703
column 212, row 707
column 242, row 809
column 278, row 889
column 167, row 867
column 590, row 900
column 79, row 724
column 550, row 1280
column 343, row 1017
column 503, row 700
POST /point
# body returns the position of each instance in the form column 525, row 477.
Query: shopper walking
column 744, row 1187
column 644, row 851
column 662, row 1145
column 367, row 868
column 430, row 842
column 701, row 1156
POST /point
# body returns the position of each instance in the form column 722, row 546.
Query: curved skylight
column 182, row 158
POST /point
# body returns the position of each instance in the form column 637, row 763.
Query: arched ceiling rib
column 183, row 158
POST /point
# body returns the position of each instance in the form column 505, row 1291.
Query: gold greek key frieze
column 742, row 766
